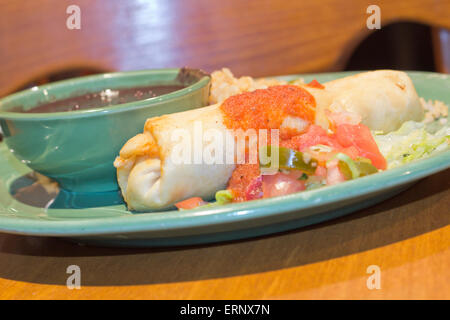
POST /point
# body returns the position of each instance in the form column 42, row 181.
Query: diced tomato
column 241, row 178
column 353, row 140
column 254, row 189
column 313, row 136
column 360, row 137
column 315, row 84
column 281, row 184
column 334, row 175
column 321, row 172
column 351, row 151
column 190, row 203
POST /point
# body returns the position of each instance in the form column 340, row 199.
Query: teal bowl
column 77, row 148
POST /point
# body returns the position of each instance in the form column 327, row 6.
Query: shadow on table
column 409, row 214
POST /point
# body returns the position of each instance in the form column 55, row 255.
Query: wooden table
column 251, row 37
column 408, row 237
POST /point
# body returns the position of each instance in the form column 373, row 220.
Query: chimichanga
column 383, row 98
column 150, row 179
column 146, row 172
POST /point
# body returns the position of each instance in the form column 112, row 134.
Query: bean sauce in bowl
column 72, row 130
column 104, row 98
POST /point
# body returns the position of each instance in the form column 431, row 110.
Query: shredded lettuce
column 411, row 142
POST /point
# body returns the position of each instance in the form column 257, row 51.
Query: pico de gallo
column 309, row 156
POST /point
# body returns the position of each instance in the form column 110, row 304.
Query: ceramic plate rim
column 240, row 212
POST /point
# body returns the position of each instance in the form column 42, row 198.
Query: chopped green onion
column 354, row 169
column 224, row 197
column 347, row 166
column 361, row 159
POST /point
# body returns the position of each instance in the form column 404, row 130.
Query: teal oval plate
column 109, row 223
